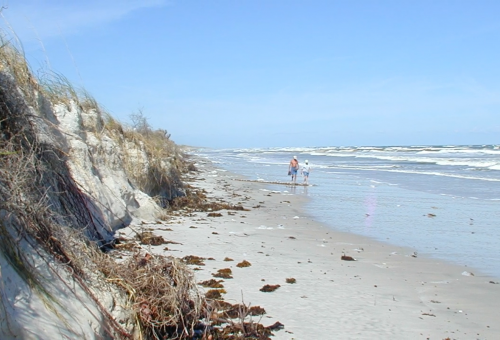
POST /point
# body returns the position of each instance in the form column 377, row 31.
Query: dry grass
column 162, row 291
column 27, row 200
column 58, row 90
column 39, row 201
column 112, row 125
column 12, row 61
column 38, row 198
column 153, row 162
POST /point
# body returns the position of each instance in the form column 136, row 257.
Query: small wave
column 417, row 172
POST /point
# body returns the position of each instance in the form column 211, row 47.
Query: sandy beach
column 388, row 292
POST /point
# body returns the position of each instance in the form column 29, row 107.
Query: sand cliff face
column 96, row 162
column 76, row 174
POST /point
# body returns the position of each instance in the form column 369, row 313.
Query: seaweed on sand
column 212, row 283
column 213, row 214
column 215, row 294
column 269, row 288
column 345, row 257
column 243, row 264
column 147, row 237
column 193, row 260
column 196, row 200
column 225, row 273
column 239, row 324
column 234, row 311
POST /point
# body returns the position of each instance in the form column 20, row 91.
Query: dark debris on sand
column 269, row 288
column 225, row 273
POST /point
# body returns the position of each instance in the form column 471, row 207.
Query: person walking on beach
column 293, row 167
column 306, row 169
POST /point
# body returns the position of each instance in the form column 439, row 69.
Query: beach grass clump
column 59, row 90
column 162, row 292
column 225, row 273
column 55, row 88
column 13, row 62
column 153, row 162
column 243, row 264
column 112, row 125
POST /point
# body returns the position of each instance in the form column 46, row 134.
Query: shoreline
column 386, row 294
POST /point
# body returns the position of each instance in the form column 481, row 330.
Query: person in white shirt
column 306, row 169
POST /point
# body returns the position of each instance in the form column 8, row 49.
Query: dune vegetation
column 60, row 206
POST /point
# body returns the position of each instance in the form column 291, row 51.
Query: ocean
column 442, row 201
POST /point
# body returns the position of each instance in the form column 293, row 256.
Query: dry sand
column 385, row 294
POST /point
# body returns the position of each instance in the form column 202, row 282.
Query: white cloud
column 36, row 19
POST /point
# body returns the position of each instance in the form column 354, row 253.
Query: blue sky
column 264, row 73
